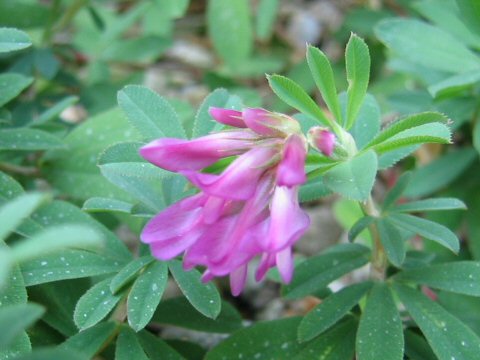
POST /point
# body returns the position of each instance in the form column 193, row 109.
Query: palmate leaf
column 128, row 346
column 129, row 272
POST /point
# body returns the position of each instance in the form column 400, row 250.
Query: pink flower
column 250, row 209
column 322, row 140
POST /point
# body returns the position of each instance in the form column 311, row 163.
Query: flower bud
column 322, row 139
column 268, row 123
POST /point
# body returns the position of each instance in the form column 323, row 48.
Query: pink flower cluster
column 250, row 209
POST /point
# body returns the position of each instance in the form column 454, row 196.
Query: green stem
column 379, row 262
column 16, row 169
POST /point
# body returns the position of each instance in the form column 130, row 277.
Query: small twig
column 22, row 170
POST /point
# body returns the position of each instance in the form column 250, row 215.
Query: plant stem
column 16, row 169
column 379, row 259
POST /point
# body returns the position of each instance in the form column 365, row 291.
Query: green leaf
column 428, row 133
column 28, row 139
column 100, row 204
column 336, row 344
column 203, row 123
column 330, row 311
column 204, row 297
column 144, row 49
column 435, row 204
column 128, row 346
column 13, row 40
column 476, row 136
column 95, row 305
column 179, row 312
column 122, row 166
column 353, row 178
column 48, row 353
column 392, row 241
column 359, row 226
column 439, row 173
column 454, row 83
column 148, row 112
column 59, row 298
column 145, row 294
column 396, row 191
column 449, row 55
column 54, row 111
column 68, row 264
column 16, row 211
column 428, row 229
column 129, row 273
column 266, row 15
column 317, row 272
column 380, row 334
column 293, row 94
column 417, row 348
column 448, row 337
column 367, row 124
column 470, row 11
column 313, row 189
column 21, row 345
column 14, row 319
column 74, row 171
column 88, row 342
column 156, row 348
column 266, row 340
column 13, row 292
column 322, row 73
column 461, row 277
column 56, row 238
column 11, row 85
column 230, row 29
column 409, row 122
column 357, row 63
column 23, row 14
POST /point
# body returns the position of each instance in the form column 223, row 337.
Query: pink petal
column 291, row 170
column 180, row 154
column 213, row 209
column 261, row 121
column 239, row 180
column 288, row 222
column 168, row 249
column 238, row 279
column 284, row 260
column 227, row 116
column 172, row 222
column 322, row 139
column 266, row 262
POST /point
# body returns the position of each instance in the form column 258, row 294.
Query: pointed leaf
column 145, row 295
column 331, row 310
column 13, row 40
column 128, row 346
column 380, row 334
column 448, row 336
column 95, row 305
column 322, row 73
column 293, row 94
column 428, row 229
column 359, row 226
column 435, row 204
column 151, row 114
column 204, row 297
column 461, row 277
column 392, row 241
column 357, row 63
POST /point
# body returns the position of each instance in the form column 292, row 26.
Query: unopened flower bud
column 268, row 123
column 322, row 139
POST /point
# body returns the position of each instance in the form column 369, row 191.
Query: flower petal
column 261, row 121
column 179, row 154
column 266, row 262
column 239, row 181
column 284, row 261
column 237, row 279
column 288, row 222
column 227, row 116
column 291, row 170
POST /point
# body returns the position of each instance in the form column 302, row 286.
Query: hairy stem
column 379, row 259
